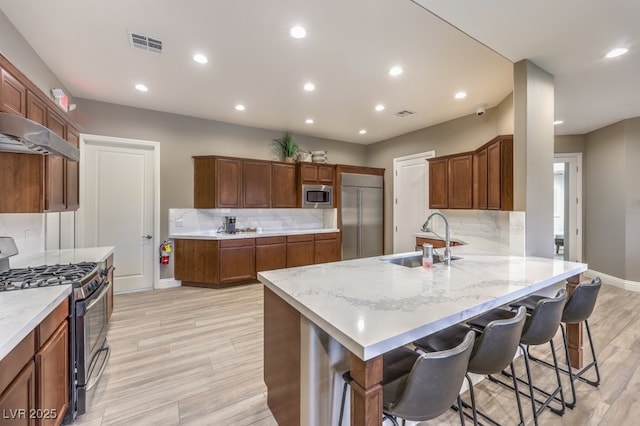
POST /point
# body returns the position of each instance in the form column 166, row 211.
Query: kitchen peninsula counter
column 371, row 307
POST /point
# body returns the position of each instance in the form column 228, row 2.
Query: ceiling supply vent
column 404, row 113
column 146, row 43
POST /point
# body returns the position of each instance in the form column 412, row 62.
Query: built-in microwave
column 317, row 196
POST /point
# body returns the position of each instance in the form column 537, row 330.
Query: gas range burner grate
column 45, row 275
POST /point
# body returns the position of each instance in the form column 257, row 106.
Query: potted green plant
column 285, row 147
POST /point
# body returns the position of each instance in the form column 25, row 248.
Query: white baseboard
column 168, row 283
column 614, row 281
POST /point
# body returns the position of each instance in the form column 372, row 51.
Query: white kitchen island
column 369, row 307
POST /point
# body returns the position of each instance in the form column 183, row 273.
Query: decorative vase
column 289, row 160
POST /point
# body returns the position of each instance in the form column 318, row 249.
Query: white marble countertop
column 371, row 306
column 22, row 310
column 213, row 235
column 54, row 257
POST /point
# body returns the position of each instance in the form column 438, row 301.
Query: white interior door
column 411, row 198
column 118, row 205
column 572, row 200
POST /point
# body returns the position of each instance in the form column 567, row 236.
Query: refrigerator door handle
column 360, row 222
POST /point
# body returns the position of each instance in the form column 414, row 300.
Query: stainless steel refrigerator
column 362, row 210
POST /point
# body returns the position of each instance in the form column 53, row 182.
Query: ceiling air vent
column 404, row 113
column 146, row 43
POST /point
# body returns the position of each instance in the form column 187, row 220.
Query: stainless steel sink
column 414, row 260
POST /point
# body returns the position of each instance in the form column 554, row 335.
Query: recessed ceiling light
column 555, row 123
column 460, row 95
column 298, row 32
column 240, row 107
column 141, row 87
column 309, row 121
column 617, row 52
column 379, row 107
column 200, row 58
column 362, row 131
column 309, row 87
column 395, row 71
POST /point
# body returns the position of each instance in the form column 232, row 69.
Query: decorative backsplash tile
column 209, row 220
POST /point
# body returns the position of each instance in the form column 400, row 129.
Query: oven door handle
column 99, row 296
column 94, row 379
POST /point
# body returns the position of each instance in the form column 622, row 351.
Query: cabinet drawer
column 11, row 364
column 299, row 238
column 241, row 242
column 327, row 236
column 51, row 323
column 264, row 241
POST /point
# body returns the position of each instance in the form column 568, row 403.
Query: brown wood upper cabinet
column 461, row 181
column 493, row 174
column 482, row 179
column 35, row 183
column 256, row 184
column 450, row 182
column 13, row 94
column 283, row 185
column 225, row 182
column 322, row 174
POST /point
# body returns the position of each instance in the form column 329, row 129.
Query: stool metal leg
column 533, row 398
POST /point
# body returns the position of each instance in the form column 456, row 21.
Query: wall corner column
column 533, row 99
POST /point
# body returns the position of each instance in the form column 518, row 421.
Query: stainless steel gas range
column 88, row 321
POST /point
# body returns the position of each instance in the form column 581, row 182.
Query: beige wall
column 604, row 196
column 181, row 137
column 460, row 135
column 15, row 48
column 632, row 203
column 569, row 144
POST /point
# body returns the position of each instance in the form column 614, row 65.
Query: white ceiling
column 569, row 39
column 347, row 53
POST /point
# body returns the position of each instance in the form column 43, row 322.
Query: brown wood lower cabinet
column 327, row 247
column 219, row 263
column 34, row 376
column 300, row 250
column 271, row 253
column 52, row 372
column 237, row 260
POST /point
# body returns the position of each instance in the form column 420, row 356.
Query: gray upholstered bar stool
column 493, row 351
column 421, row 387
column 539, row 328
column 578, row 309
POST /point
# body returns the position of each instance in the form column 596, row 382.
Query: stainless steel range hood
column 18, row 134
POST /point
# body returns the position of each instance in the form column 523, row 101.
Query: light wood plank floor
column 190, row 356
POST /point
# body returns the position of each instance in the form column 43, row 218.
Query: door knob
column 147, row 237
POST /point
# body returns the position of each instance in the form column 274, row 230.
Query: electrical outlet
column 179, row 223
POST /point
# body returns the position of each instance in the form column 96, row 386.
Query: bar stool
column 578, row 309
column 493, row 351
column 539, row 328
column 421, row 387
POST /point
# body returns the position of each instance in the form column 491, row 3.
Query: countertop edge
column 223, row 236
column 8, row 345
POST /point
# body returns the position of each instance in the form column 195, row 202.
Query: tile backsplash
column 209, row 220
column 506, row 228
column 27, row 230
